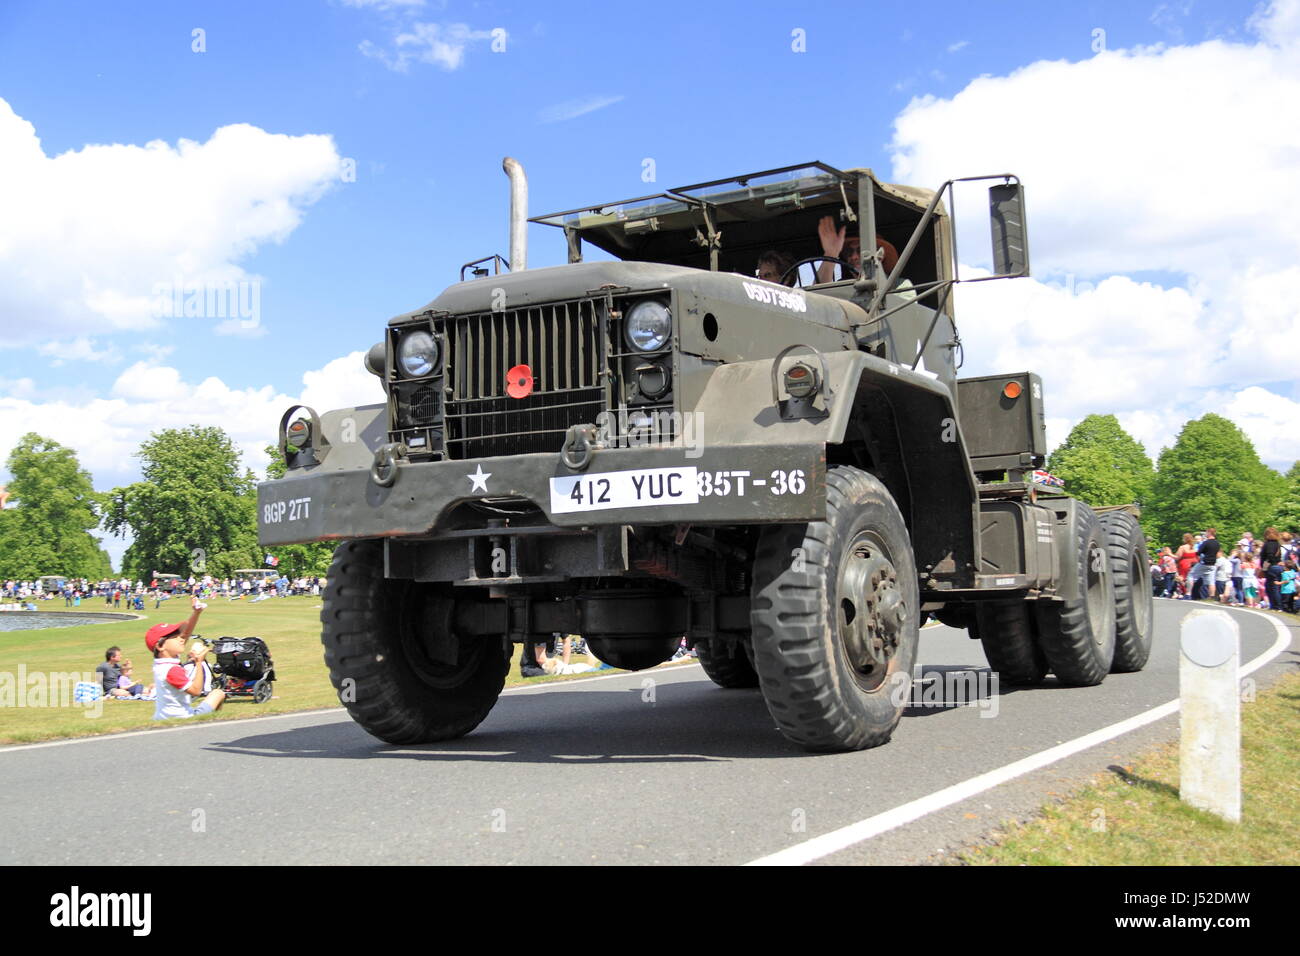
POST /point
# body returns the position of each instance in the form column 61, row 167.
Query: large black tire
column 1006, row 630
column 726, row 663
column 387, row 644
column 835, row 616
column 1078, row 635
column 1134, row 603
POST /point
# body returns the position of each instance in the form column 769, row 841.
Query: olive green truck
column 787, row 471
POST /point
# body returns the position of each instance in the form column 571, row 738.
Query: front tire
column 1126, row 546
column 835, row 618
column 1078, row 635
column 400, row 670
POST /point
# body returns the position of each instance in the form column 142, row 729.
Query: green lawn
column 290, row 626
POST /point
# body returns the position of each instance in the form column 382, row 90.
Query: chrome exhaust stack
column 518, row 214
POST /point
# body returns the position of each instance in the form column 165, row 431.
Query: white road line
column 840, row 839
column 244, row 721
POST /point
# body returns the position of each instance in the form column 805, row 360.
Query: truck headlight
column 648, row 325
column 417, row 354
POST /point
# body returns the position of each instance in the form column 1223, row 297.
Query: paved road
column 602, row 771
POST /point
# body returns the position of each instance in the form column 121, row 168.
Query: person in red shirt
column 176, row 685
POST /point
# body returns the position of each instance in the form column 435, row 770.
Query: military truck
column 657, row 444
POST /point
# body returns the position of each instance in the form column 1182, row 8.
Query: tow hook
column 579, row 447
column 383, row 471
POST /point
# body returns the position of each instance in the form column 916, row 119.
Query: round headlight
column 417, row 354
column 648, row 326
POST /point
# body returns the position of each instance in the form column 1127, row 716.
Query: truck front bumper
column 720, row 485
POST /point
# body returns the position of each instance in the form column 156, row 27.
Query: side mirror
column 1010, row 238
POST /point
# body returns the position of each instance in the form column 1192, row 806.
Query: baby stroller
column 244, row 667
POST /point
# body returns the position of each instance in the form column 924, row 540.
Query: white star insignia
column 479, row 479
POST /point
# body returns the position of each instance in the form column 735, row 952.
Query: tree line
column 1211, row 477
column 195, row 509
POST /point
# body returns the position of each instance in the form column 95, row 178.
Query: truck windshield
column 729, row 224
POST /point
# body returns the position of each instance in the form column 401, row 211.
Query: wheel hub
column 870, row 607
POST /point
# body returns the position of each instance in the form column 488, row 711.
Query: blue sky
column 582, row 95
column 707, row 90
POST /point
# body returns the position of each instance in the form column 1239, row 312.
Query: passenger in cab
column 773, row 266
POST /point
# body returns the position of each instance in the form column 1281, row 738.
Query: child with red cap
column 175, row 684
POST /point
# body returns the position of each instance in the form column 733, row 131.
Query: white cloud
column 571, row 109
column 1176, row 160
column 959, row 45
column 439, row 44
column 89, row 235
column 146, row 397
column 80, row 349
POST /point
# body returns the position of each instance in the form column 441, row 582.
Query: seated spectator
column 129, row 684
column 110, row 673
column 175, row 685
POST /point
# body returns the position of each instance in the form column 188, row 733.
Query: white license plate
column 625, row 489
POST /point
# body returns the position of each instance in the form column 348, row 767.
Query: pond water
column 37, row 620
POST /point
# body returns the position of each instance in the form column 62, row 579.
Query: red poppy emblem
column 519, row 382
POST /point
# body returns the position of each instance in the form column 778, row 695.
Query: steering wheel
column 849, row 271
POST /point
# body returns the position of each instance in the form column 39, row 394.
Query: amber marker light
column 1012, row 390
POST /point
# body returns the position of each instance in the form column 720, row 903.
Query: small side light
column 298, row 435
column 800, row 380
column 1012, row 390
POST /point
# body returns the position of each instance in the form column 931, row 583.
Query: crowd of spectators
column 77, row 592
column 1251, row 573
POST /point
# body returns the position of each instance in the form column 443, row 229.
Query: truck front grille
column 564, row 346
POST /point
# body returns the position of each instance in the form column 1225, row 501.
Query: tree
column 1102, row 464
column 1212, row 477
column 297, row 560
column 49, row 531
column 1286, row 515
column 194, row 512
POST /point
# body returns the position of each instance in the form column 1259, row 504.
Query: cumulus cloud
column 146, row 397
column 1174, row 162
column 88, row 237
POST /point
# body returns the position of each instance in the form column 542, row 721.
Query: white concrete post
column 1210, row 764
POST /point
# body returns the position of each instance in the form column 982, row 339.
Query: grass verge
column 1133, row 816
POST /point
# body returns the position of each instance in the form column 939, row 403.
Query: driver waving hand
column 845, row 244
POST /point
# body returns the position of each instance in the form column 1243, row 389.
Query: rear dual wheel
column 1077, row 636
column 727, row 663
column 1126, row 547
column 1011, row 645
